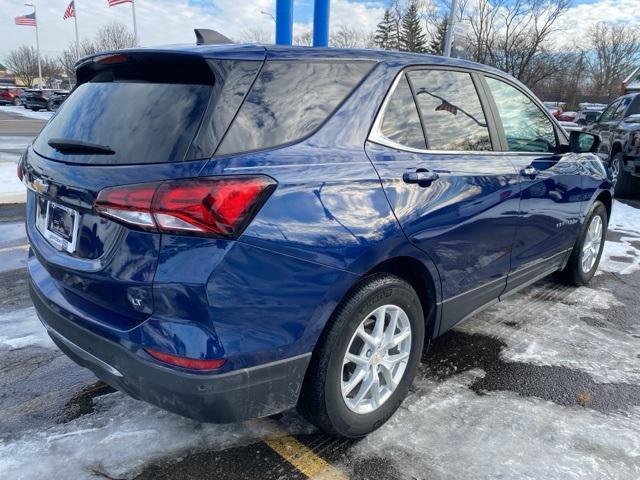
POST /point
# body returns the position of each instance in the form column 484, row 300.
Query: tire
column 17, row 102
column 575, row 272
column 322, row 399
column 50, row 107
column 625, row 184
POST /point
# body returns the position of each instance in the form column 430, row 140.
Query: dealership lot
column 544, row 385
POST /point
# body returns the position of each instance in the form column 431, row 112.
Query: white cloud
column 161, row 21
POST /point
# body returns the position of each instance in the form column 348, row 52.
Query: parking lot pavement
column 544, row 385
column 18, row 128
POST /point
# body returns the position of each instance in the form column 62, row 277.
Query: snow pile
column 121, row 437
column 623, row 256
column 21, row 328
column 23, row 112
column 446, row 431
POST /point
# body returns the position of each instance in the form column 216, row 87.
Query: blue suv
column 229, row 231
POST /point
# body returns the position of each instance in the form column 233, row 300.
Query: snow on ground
column 121, row 436
column 16, row 142
column 12, row 190
column 21, row 328
column 40, row 115
column 626, row 221
column 546, row 312
column 446, row 431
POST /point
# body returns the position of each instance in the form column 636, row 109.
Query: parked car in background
column 619, row 131
column 23, row 96
column 56, row 99
column 10, row 96
column 37, row 99
column 587, row 117
column 298, row 226
column 566, row 116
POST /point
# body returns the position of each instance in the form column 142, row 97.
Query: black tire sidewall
column 344, row 421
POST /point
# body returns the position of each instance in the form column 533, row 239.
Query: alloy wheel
column 592, row 242
column 376, row 359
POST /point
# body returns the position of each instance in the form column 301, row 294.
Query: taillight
column 221, row 206
column 19, row 172
column 185, row 362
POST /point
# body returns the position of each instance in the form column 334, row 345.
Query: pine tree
column 436, row 46
column 385, row 36
column 412, row 37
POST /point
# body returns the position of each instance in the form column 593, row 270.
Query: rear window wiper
column 65, row 145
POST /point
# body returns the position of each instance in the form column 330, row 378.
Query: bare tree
column 23, row 63
column 257, row 35
column 305, row 39
column 114, row 36
column 350, row 37
column 612, row 51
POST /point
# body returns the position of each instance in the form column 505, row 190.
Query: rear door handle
column 530, row 171
column 421, row 176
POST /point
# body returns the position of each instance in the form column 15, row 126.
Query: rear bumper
column 227, row 397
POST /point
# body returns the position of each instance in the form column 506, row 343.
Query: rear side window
column 451, row 111
column 401, row 123
column 526, row 127
column 288, row 101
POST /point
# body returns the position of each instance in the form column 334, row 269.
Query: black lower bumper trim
column 221, row 398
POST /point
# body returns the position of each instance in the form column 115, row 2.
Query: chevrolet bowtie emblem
column 40, row 186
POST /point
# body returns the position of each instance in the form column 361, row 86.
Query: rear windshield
column 142, row 122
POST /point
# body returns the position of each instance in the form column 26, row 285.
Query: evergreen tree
column 386, row 37
column 412, row 37
column 436, row 46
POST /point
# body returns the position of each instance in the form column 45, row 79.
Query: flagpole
column 135, row 25
column 75, row 21
column 35, row 15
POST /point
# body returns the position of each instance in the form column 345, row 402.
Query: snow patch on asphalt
column 550, row 330
column 14, row 143
column 446, row 431
column 12, row 190
column 21, row 328
column 625, row 220
column 122, row 436
column 23, row 112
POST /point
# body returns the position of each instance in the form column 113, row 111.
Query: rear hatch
column 135, row 117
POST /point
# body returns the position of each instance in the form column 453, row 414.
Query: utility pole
column 135, row 24
column 449, row 37
column 75, row 22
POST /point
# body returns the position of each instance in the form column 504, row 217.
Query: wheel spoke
column 391, row 328
column 365, row 337
column 399, row 338
column 365, row 387
column 357, row 359
column 387, row 374
column 378, row 328
column 355, row 379
column 398, row 357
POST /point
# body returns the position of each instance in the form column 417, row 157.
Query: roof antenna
column 205, row 36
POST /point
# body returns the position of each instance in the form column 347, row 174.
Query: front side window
column 289, row 100
column 607, row 115
column 401, row 123
column 619, row 114
column 451, row 112
column 526, row 127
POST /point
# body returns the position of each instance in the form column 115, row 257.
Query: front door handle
column 530, row 172
column 421, row 176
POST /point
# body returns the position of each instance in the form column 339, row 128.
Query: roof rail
column 205, row 36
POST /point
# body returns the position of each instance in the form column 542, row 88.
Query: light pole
column 37, row 44
column 449, row 37
column 268, row 15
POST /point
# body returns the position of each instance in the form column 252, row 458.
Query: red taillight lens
column 184, row 362
column 215, row 206
column 19, row 171
column 111, row 59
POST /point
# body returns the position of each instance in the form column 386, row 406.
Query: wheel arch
column 607, row 200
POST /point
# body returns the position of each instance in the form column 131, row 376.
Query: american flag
column 70, row 11
column 29, row 20
column 113, row 3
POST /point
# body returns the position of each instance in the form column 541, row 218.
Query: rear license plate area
column 58, row 224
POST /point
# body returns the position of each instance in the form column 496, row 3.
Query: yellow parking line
column 302, row 458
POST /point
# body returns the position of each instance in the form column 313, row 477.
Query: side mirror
column 583, row 142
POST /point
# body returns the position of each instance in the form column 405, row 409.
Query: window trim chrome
column 376, row 135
